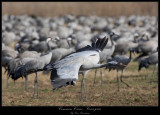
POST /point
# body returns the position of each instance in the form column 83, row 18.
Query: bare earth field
column 52, row 9
column 141, row 92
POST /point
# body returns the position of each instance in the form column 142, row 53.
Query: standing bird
column 7, row 55
column 105, row 54
column 125, row 60
column 146, row 48
column 65, row 71
column 152, row 59
column 22, row 58
column 34, row 66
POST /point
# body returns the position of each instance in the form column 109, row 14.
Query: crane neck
column 20, row 50
column 111, row 40
column 69, row 44
column 49, row 48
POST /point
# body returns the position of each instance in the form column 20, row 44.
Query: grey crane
column 125, row 60
column 33, row 66
column 7, row 55
column 14, row 65
column 146, row 48
column 65, row 71
column 152, row 59
column 105, row 54
column 22, row 58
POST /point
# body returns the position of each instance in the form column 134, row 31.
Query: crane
column 33, row 66
column 125, row 60
column 65, row 71
column 152, row 59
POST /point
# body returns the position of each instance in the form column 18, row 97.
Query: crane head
column 113, row 35
column 136, row 35
column 48, row 67
column 143, row 64
column 56, row 38
column 17, row 46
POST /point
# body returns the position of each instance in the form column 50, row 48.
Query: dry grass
column 86, row 8
column 141, row 93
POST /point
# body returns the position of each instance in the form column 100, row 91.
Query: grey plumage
column 7, row 55
column 31, row 54
column 146, row 48
column 152, row 59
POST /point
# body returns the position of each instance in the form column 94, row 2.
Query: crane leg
column 34, row 87
column 117, row 80
column 5, row 69
column 7, row 80
column 83, row 86
column 153, row 74
column 26, row 83
column 35, row 83
column 122, row 80
column 95, row 78
column 101, row 79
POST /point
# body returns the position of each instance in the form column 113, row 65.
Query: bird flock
column 66, row 46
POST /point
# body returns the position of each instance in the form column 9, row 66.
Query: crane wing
column 65, row 72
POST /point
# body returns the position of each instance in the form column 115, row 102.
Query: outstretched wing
column 65, row 72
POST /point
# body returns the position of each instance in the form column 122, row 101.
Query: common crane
column 65, row 71
column 152, row 59
column 34, row 66
column 146, row 48
column 125, row 60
